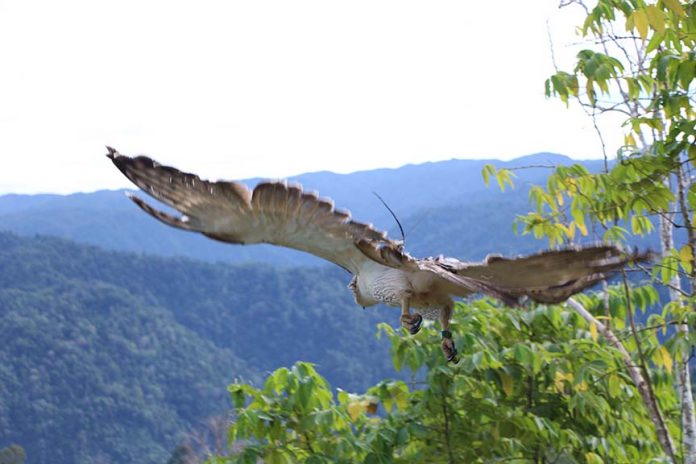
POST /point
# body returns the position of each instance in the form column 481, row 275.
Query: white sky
column 235, row 89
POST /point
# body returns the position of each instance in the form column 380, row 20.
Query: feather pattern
column 551, row 276
column 274, row 212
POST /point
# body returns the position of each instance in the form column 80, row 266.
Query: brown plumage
column 281, row 213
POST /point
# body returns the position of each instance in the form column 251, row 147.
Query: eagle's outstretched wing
column 274, row 212
column 548, row 277
column 551, row 276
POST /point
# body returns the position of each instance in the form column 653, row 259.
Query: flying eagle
column 281, row 213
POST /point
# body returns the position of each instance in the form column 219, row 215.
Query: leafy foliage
column 531, row 386
column 646, row 74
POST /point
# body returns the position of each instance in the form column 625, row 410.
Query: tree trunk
column 681, row 364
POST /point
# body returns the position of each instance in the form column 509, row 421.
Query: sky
column 272, row 88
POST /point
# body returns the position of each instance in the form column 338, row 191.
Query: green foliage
column 533, row 385
column 648, row 78
column 295, row 412
column 503, row 176
column 646, row 75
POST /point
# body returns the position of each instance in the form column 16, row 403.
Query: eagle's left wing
column 277, row 213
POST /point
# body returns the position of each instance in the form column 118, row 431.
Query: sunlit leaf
column 666, row 358
column 486, row 172
column 675, row 6
column 357, row 407
column 656, row 18
column 593, row 330
column 582, row 228
column 686, row 258
column 630, row 140
column 614, row 385
column 560, row 379
column 668, row 268
column 640, row 19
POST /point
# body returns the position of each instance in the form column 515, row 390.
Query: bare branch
column 636, row 375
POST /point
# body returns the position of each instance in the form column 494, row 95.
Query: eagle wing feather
column 277, row 213
column 551, row 276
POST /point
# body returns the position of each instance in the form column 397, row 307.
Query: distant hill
column 423, row 196
column 110, row 357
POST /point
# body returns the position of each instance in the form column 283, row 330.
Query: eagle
column 283, row 214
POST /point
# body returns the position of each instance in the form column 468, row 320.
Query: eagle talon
column 416, row 326
column 448, row 348
column 412, row 323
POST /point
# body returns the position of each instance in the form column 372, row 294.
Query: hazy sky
column 234, row 89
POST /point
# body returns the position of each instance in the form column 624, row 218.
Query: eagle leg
column 447, row 345
column 412, row 323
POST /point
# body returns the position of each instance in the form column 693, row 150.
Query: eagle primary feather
column 281, row 213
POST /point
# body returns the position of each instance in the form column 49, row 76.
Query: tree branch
column 636, row 375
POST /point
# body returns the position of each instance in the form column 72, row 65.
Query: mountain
column 430, row 200
column 110, row 357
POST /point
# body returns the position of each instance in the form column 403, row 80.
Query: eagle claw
column 449, row 350
column 412, row 323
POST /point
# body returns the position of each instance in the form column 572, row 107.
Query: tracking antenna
column 403, row 236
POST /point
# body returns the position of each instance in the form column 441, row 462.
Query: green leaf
column 357, row 408
column 488, row 171
column 238, row 396
column 685, row 73
column 656, row 18
column 668, row 268
column 640, row 19
column 593, row 331
column 278, row 456
column 665, row 359
column 686, row 258
column 614, row 385
column 506, row 382
column 675, row 6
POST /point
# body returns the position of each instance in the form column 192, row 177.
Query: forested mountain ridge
column 111, row 357
column 428, row 198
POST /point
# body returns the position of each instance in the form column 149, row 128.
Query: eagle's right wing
column 551, row 276
column 274, row 212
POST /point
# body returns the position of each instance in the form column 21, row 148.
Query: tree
column 536, row 385
column 639, row 62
